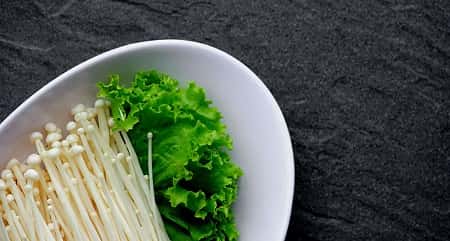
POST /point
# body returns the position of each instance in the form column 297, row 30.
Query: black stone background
column 364, row 86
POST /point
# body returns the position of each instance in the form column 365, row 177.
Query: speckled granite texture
column 364, row 86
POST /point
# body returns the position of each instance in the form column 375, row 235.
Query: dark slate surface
column 364, row 86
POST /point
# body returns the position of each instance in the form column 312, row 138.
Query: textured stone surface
column 364, row 86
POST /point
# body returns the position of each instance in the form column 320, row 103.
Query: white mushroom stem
column 42, row 231
column 19, row 226
column 90, row 188
column 3, row 232
column 89, row 153
column 120, row 145
column 54, row 221
column 36, row 139
column 18, row 196
column 13, row 235
column 34, row 161
column 115, row 185
column 29, row 208
column 65, row 201
column 162, row 232
column 9, row 214
column 114, row 224
column 14, row 165
column 150, row 165
column 125, row 204
column 136, row 196
column 143, row 184
column 95, row 192
column 72, row 184
column 71, row 127
column 124, row 199
column 82, row 190
column 102, row 119
column 133, row 192
column 108, row 115
column 12, row 204
column 96, row 149
column 60, row 217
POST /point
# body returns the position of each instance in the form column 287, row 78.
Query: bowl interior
column 262, row 144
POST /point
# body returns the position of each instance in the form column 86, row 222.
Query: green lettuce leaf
column 195, row 180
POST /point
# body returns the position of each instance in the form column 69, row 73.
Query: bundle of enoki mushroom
column 86, row 187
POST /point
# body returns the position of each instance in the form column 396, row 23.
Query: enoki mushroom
column 88, row 186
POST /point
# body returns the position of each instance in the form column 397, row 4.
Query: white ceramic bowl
column 262, row 145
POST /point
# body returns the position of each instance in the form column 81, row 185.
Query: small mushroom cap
column 36, row 136
column 31, row 174
column 52, row 137
column 34, row 159
column 78, row 108
column 80, row 131
column 99, row 103
column 72, row 138
column 81, row 116
column 50, row 127
column 7, row 174
column 65, row 143
column 76, row 149
column 71, row 125
column 53, row 153
column 12, row 163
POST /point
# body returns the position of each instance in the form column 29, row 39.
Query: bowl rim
column 184, row 43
